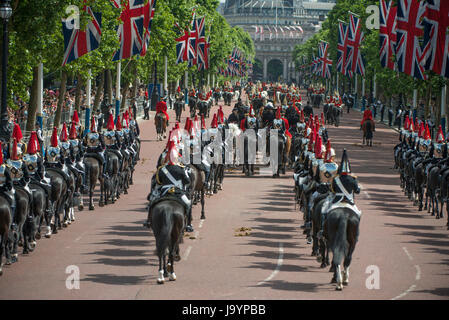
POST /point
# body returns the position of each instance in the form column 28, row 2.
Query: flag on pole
column 355, row 62
column 387, row 34
column 436, row 37
column 80, row 42
column 342, row 47
column 131, row 30
column 148, row 15
column 409, row 29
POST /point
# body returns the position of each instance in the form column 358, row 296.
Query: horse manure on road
column 242, row 232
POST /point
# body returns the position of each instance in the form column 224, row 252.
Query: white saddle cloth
column 345, row 205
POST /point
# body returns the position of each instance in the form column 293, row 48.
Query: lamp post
column 5, row 14
column 155, row 94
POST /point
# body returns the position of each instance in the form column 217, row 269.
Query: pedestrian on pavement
column 390, row 116
column 382, row 111
column 146, row 109
column 134, row 106
column 397, row 120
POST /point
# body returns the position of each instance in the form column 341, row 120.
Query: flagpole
column 186, row 89
column 40, row 89
column 88, row 97
column 166, row 74
column 375, row 87
column 443, row 107
column 338, row 78
column 117, row 90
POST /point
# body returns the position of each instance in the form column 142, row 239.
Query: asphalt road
column 407, row 250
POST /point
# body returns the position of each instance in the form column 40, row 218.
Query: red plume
column 118, row 125
column 406, row 123
column 440, row 136
column 220, row 115
column 75, row 117
column 110, row 122
column 203, row 123
column 33, row 145
column 14, row 155
column 328, row 155
column 427, row 133
column 188, row 124
column 1, row 155
column 179, row 89
column 73, row 134
column 54, row 138
column 64, row 134
column 17, row 132
column 93, row 125
column 318, row 147
column 214, row 123
column 422, row 130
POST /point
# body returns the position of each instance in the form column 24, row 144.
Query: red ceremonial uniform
column 161, row 106
column 367, row 115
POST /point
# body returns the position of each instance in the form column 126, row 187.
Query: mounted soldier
column 7, row 185
column 113, row 138
column 77, row 150
column 36, row 170
column 171, row 180
column 95, row 146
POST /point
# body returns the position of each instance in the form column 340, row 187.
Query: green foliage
column 35, row 35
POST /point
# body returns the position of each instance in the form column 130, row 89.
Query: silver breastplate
column 15, row 167
column 65, row 149
column 2, row 174
column 75, row 145
column 93, row 140
column 251, row 123
column 53, row 154
column 31, row 162
column 109, row 138
column 315, row 164
column 328, row 171
column 277, row 124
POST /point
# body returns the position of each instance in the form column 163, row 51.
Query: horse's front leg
column 101, row 202
column 203, row 216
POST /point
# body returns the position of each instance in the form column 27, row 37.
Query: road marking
column 278, row 267
column 417, row 277
column 186, row 255
column 406, row 292
column 407, row 253
column 418, row 272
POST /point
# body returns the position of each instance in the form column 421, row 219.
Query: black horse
column 111, row 185
column 341, row 231
column 179, row 107
column 203, row 108
column 59, row 195
column 5, row 225
column 167, row 221
column 94, row 171
column 192, row 106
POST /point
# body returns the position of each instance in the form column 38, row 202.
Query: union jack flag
column 116, row 3
column 387, row 34
column 436, row 38
column 185, row 47
column 409, row 55
column 200, row 39
column 131, row 30
column 79, row 42
column 326, row 63
column 342, row 47
column 203, row 55
column 148, row 15
column 354, row 62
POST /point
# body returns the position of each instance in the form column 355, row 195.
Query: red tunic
column 287, row 133
column 161, row 106
column 367, row 115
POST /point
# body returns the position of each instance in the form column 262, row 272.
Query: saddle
column 173, row 194
column 344, row 204
column 61, row 172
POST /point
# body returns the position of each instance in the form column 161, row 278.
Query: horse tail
column 88, row 169
column 164, row 232
column 338, row 245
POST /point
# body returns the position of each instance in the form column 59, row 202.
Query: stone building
column 276, row 26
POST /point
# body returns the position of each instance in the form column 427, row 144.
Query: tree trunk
column 124, row 96
column 78, row 93
column 61, row 99
column 98, row 92
column 32, row 109
column 109, row 88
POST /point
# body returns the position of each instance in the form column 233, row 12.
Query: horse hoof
column 309, row 240
column 91, row 208
column 346, row 283
column 323, row 265
column 160, row 281
column 314, row 254
column 172, row 277
column 80, row 208
column 20, row 244
column 177, row 257
column 101, row 204
column 339, row 287
column 203, row 217
column 334, row 280
column 38, row 236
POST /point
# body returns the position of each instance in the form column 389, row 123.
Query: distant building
column 276, row 26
